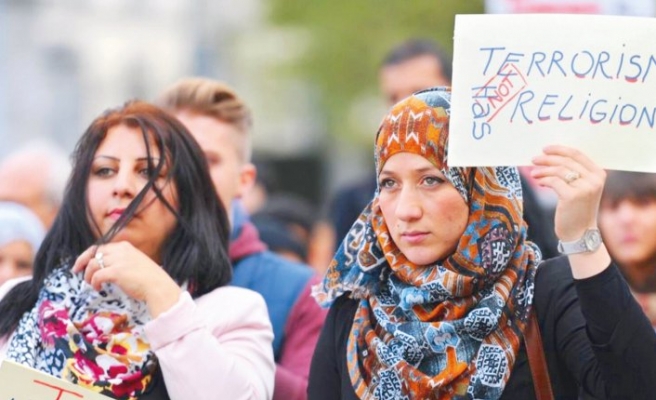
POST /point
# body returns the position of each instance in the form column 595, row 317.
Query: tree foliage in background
column 348, row 39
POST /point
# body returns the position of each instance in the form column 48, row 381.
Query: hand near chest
column 131, row 270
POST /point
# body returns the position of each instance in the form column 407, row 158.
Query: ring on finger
column 571, row 176
column 99, row 259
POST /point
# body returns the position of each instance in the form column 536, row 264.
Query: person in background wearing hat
column 21, row 234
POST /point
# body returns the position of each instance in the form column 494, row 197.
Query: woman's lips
column 414, row 237
column 629, row 239
column 115, row 214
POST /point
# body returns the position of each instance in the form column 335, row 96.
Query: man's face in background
column 398, row 81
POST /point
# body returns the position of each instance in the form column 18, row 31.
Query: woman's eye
column 148, row 173
column 24, row 265
column 212, row 159
column 104, row 171
column 643, row 201
column 433, row 180
column 386, row 183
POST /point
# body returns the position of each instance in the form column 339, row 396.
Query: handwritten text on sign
column 525, row 81
column 21, row 383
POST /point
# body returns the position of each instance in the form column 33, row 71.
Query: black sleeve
column 595, row 334
column 621, row 336
column 570, row 357
column 324, row 379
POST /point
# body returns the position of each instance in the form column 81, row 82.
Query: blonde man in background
column 221, row 122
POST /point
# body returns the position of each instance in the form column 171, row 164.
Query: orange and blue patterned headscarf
column 451, row 329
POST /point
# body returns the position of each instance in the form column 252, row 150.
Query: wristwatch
column 589, row 242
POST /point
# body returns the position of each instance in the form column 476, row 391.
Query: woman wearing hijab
column 21, row 234
column 129, row 296
column 432, row 291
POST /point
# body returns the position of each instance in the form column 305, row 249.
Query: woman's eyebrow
column 155, row 159
column 418, row 170
column 109, row 157
column 428, row 169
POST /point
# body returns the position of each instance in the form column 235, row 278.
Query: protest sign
column 521, row 82
column 22, row 383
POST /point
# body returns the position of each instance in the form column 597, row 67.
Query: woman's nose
column 626, row 212
column 124, row 184
column 409, row 205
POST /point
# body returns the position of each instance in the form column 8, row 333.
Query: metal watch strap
column 590, row 241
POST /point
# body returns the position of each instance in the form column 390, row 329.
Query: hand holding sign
column 578, row 182
column 583, row 81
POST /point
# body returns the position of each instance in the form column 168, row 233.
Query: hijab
column 451, row 329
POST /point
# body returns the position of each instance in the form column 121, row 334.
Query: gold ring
column 571, row 176
column 100, row 260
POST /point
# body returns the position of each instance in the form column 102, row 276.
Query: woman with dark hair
column 128, row 296
column 437, row 294
column 627, row 220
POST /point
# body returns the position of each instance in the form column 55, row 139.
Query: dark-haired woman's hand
column 579, row 183
column 130, row 269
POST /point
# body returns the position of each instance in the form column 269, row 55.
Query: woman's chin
column 425, row 257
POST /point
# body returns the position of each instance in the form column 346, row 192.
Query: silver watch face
column 592, row 239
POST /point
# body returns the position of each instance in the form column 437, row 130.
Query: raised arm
column 578, row 182
column 603, row 337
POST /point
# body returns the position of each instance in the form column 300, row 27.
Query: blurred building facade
column 63, row 62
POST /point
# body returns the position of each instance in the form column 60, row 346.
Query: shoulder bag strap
column 536, row 360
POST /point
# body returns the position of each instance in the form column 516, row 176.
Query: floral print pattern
column 92, row 338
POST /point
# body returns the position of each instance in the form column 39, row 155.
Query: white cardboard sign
column 521, row 82
column 22, row 383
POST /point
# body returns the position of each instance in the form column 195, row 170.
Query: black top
column 615, row 358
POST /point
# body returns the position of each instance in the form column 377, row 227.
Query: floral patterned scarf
column 447, row 330
column 92, row 338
